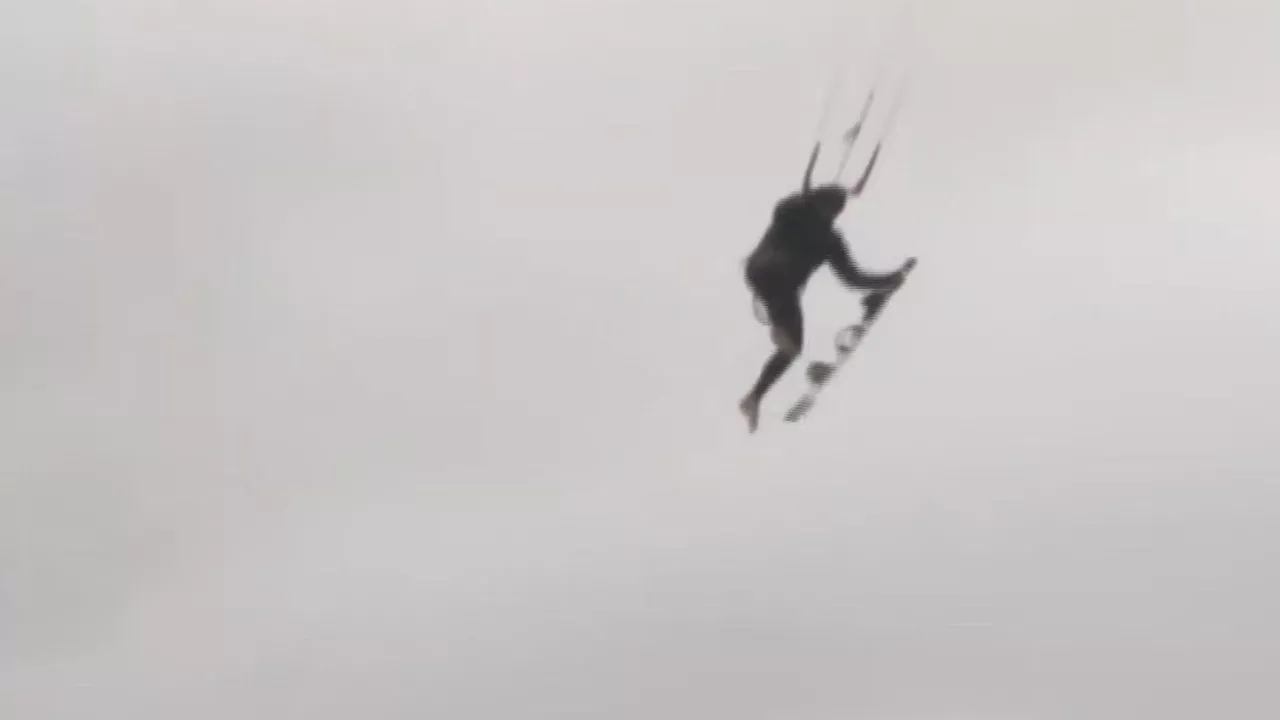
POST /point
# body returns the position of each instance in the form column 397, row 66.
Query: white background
column 379, row 359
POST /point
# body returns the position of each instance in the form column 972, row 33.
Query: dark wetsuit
column 799, row 240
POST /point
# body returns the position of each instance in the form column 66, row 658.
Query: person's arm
column 808, row 171
column 850, row 274
column 861, row 185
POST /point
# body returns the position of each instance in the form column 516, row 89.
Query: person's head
column 829, row 200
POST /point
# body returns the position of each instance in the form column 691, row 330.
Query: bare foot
column 750, row 408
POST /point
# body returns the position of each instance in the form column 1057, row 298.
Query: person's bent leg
column 788, row 337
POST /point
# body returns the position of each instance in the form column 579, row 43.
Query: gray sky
column 379, row 360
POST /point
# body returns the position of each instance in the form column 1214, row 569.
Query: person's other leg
column 787, row 320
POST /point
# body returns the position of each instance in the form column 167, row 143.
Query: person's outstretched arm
column 861, row 185
column 843, row 265
column 808, row 171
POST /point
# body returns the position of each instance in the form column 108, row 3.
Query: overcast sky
column 380, row 359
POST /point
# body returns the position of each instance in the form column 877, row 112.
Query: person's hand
column 900, row 277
